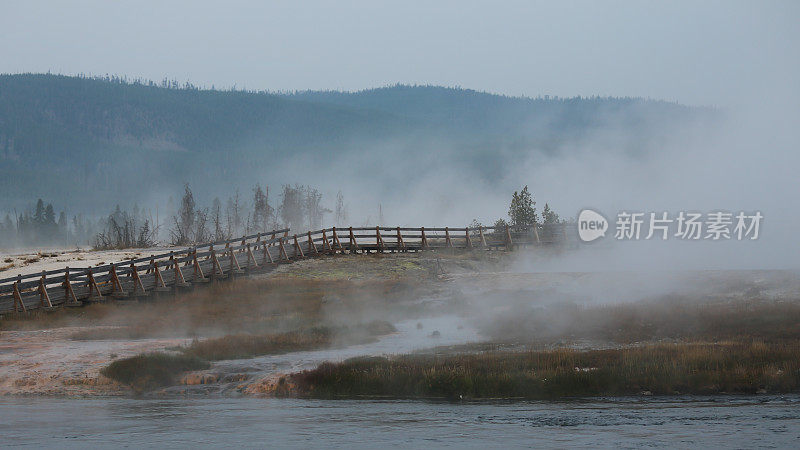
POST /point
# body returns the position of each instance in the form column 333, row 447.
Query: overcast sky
column 710, row 53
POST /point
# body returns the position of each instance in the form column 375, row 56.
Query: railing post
column 69, row 293
column 43, row 295
column 116, row 285
column 424, row 243
column 213, row 258
column 137, row 280
column 199, row 276
column 19, row 305
column 311, row 245
column 467, row 240
column 177, row 273
column 326, row 246
column 536, row 233
column 378, row 239
column 266, row 256
column 400, row 244
column 93, row 287
column 157, row 274
column 509, row 244
column 337, row 245
column 483, row 238
column 234, row 263
column 251, row 258
column 216, row 269
column 448, row 242
column 297, row 249
column 353, row 243
column 283, row 249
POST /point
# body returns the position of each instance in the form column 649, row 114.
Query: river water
column 728, row 422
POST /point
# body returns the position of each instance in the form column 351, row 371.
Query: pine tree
column 49, row 215
column 261, row 209
column 549, row 216
column 522, row 210
column 183, row 233
column 38, row 216
column 292, row 209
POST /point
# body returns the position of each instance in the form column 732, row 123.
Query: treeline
column 522, row 213
column 299, row 208
column 122, row 229
column 41, row 226
column 93, row 137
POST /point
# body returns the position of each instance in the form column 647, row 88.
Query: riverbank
column 653, row 369
column 460, row 307
column 62, row 352
column 154, row 370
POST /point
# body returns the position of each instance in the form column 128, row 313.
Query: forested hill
column 64, row 138
column 480, row 113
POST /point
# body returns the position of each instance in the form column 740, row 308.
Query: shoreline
column 477, row 309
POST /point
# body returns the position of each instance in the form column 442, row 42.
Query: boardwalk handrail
column 144, row 259
column 251, row 253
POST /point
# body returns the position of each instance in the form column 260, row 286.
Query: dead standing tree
column 190, row 225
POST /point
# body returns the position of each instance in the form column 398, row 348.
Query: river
column 728, row 422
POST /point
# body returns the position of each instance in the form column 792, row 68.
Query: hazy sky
column 693, row 52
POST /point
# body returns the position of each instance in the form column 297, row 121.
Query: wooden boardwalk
column 185, row 268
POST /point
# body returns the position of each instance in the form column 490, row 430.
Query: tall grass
column 682, row 318
column 152, row 370
column 661, row 369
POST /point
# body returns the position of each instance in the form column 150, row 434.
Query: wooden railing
column 254, row 253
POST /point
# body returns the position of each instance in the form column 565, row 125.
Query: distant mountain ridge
column 62, row 137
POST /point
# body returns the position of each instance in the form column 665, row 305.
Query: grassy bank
column 152, row 370
column 674, row 317
column 253, row 306
column 660, row 369
column 248, row 345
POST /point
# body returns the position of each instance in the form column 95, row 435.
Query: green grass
column 152, row 370
column 661, row 369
